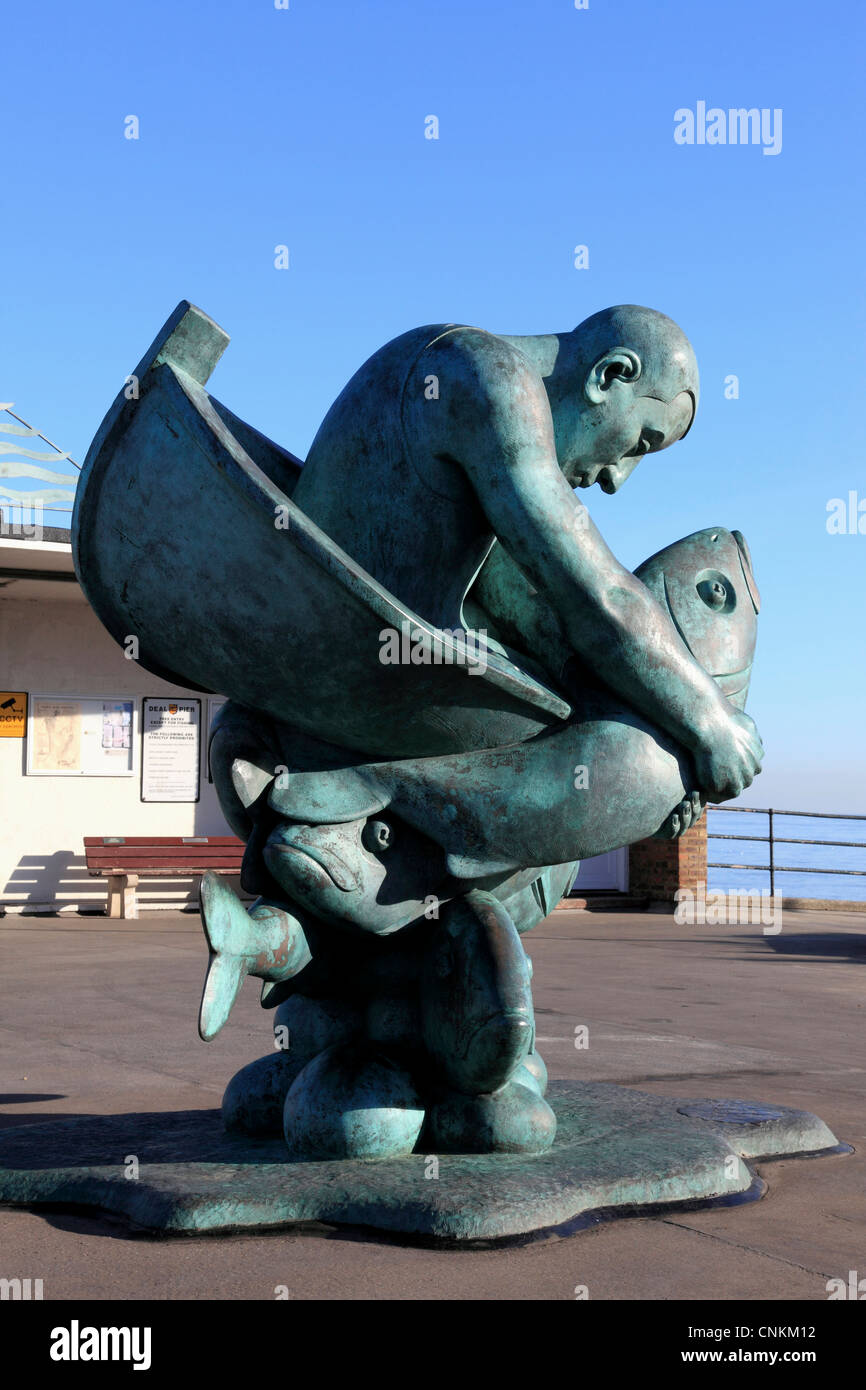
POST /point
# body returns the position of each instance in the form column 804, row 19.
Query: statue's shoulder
column 456, row 340
column 407, row 347
column 482, row 364
column 386, row 370
column 475, row 365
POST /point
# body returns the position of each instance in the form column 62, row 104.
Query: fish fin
column 275, row 991
column 224, row 918
column 227, row 966
column 467, row 866
column 222, row 985
column 330, row 796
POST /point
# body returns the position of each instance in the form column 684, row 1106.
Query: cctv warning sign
column 13, row 713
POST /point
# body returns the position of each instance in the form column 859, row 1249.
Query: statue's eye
column 717, row 592
column 377, row 836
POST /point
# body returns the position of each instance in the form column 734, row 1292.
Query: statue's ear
column 620, row 364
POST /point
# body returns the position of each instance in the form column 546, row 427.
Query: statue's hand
column 728, row 757
column 681, row 818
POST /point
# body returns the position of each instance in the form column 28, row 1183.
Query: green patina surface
column 445, row 692
column 614, row 1148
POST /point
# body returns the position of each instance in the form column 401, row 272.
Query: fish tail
column 268, row 941
column 228, row 963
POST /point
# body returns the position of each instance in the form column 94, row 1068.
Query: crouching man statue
column 405, row 824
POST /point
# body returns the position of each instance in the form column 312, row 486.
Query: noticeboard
column 80, row 735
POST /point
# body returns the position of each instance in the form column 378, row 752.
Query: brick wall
column 657, row 868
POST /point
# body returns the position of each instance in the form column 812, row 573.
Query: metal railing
column 772, row 840
column 23, row 510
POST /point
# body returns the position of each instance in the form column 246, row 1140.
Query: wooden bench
column 123, row 859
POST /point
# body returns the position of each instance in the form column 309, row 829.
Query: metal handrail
column 29, row 468
column 772, row 840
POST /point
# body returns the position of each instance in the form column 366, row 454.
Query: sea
column 802, row 858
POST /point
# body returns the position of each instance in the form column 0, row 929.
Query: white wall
column 56, row 644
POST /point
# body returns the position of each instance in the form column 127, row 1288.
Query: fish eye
column 377, row 836
column 716, row 591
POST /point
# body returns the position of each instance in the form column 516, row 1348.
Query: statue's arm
column 520, row 615
column 504, row 442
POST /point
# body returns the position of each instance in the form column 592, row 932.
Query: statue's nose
column 618, row 474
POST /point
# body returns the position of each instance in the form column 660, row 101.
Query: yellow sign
column 13, row 713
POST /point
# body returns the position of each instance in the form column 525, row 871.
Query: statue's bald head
column 641, row 346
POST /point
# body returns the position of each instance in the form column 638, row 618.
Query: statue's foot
column 513, row 1120
column 256, row 1095
column 304, row 1027
column 352, row 1101
column 477, row 1014
column 533, row 1073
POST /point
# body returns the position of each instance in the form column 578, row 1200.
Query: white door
column 608, row 871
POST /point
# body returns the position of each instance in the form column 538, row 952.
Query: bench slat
column 168, row 852
column 156, row 862
column 139, row 865
column 113, row 872
column 180, row 870
column 182, row 841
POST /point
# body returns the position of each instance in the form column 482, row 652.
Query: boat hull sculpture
column 186, row 537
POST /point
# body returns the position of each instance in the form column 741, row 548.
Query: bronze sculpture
column 408, row 819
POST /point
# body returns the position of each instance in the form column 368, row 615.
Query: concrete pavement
column 99, row 1017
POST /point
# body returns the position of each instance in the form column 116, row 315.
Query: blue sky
column 305, row 127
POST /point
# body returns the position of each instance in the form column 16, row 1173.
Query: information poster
column 170, row 750
column 80, row 736
column 56, row 736
column 116, row 728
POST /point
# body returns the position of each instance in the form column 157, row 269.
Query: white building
column 53, row 645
